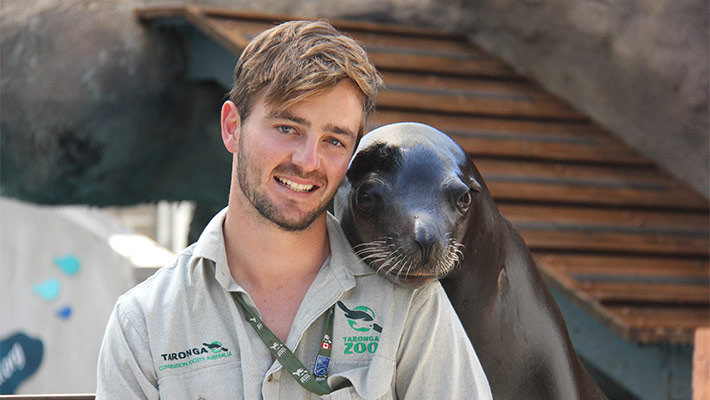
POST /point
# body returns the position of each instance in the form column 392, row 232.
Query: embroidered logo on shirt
column 361, row 319
column 194, row 355
column 216, row 347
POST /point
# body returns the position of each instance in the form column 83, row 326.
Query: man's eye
column 335, row 142
column 286, row 129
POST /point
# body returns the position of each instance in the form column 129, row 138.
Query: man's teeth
column 295, row 186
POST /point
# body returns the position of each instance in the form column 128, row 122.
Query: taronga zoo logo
column 361, row 319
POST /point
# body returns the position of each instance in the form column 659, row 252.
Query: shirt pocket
column 222, row 381
column 373, row 380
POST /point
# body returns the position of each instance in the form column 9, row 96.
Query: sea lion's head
column 405, row 200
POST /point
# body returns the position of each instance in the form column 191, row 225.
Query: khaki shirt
column 180, row 335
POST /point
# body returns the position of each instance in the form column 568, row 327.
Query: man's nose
column 306, row 155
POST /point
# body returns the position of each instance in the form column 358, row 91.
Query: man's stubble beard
column 261, row 203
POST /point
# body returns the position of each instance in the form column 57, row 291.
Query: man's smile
column 296, row 187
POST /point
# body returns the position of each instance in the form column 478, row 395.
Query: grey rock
column 94, row 107
column 639, row 68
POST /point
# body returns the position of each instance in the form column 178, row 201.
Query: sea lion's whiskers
column 404, row 262
column 379, row 241
column 373, row 245
column 395, row 261
column 387, row 260
column 409, row 267
column 379, row 257
column 439, row 267
column 369, row 251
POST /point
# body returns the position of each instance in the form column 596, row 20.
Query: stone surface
column 94, row 109
column 638, row 67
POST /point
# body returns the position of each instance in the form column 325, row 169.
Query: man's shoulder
column 161, row 285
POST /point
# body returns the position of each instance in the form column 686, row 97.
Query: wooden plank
column 701, row 364
column 564, row 240
column 535, row 140
column 493, row 144
column 652, row 324
column 645, row 292
column 664, row 317
column 401, row 53
column 469, row 96
column 691, row 223
column 634, row 266
column 406, row 59
column 592, row 193
column 622, row 176
column 556, row 228
column 522, row 181
column 459, row 49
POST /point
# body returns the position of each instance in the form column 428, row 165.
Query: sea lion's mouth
column 296, row 187
column 384, row 256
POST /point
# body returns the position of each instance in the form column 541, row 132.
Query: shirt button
column 270, row 378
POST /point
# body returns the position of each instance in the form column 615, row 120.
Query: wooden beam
column 522, row 140
column 150, row 13
column 701, row 364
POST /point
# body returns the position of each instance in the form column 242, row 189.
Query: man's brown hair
column 297, row 59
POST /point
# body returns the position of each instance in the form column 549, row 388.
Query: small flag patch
column 321, row 367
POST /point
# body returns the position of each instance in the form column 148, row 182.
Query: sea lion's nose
column 424, row 238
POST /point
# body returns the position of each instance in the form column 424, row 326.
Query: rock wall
column 638, row 67
column 95, row 109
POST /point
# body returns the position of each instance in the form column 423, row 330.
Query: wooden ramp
column 622, row 239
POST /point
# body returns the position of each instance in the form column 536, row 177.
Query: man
column 275, row 259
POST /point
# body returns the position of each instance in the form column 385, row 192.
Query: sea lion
column 415, row 208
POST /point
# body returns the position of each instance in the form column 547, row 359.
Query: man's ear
column 231, row 123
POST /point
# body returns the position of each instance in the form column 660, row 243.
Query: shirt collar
column 211, row 246
column 343, row 261
column 342, row 255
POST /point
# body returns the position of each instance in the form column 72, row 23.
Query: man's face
column 290, row 163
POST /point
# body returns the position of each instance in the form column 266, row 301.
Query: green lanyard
column 315, row 383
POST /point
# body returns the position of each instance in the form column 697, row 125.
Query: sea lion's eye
column 365, row 200
column 368, row 196
column 459, row 194
column 463, row 202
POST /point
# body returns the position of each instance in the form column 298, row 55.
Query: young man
column 275, row 259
